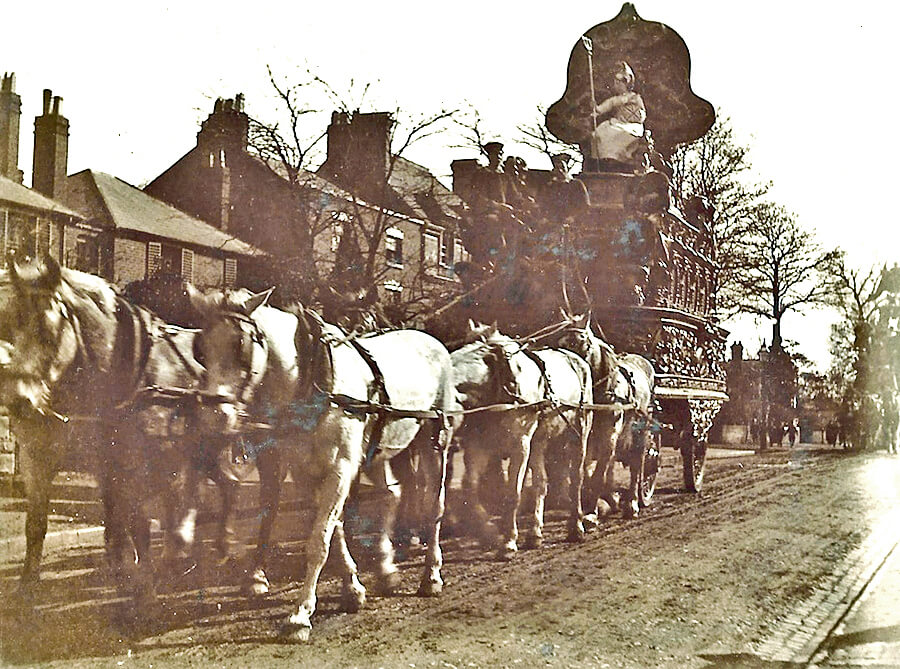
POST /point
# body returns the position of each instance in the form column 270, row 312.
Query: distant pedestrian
column 793, row 431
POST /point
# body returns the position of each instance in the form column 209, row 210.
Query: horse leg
column 330, row 498
column 635, row 454
column 268, row 464
column 227, row 487
column 518, row 466
column 389, row 494
column 38, row 480
column 577, row 451
column 434, row 466
column 476, row 457
column 408, row 526
column 602, row 441
column 537, row 463
column 353, row 594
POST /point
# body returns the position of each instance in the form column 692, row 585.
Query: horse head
column 39, row 336
column 579, row 338
column 234, row 352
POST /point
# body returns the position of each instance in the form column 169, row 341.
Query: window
column 431, row 243
column 338, row 219
column 230, row 272
column 171, row 260
column 459, row 251
column 154, row 258
column 393, row 247
column 445, row 259
column 187, row 265
column 393, row 291
column 87, row 256
column 21, row 237
column 44, row 237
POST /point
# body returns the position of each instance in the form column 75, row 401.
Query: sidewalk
column 869, row 635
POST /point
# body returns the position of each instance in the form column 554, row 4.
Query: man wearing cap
column 563, row 198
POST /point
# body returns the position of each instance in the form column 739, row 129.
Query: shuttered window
column 230, row 272
column 187, row 265
column 44, row 237
column 154, row 258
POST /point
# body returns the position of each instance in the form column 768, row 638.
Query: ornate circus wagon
column 616, row 240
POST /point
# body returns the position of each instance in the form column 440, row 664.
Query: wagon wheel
column 693, row 457
column 650, row 463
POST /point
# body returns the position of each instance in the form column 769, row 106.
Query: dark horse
column 71, row 347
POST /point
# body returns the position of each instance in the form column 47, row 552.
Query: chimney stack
column 51, row 148
column 226, row 129
column 359, row 146
column 10, row 115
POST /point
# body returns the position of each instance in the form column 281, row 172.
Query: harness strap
column 554, row 402
column 381, row 395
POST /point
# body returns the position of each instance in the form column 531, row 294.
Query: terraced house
column 363, row 211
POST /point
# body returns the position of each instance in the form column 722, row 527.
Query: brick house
column 139, row 236
column 300, row 218
column 96, row 223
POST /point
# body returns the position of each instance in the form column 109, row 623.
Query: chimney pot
column 47, row 95
column 57, row 105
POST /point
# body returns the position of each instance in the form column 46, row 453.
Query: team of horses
column 308, row 397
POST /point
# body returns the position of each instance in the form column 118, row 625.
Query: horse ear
column 51, row 275
column 48, row 276
column 254, row 302
column 198, row 301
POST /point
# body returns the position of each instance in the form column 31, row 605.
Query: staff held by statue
column 589, row 47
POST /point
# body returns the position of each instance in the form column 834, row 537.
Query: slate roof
column 113, row 202
column 413, row 191
column 14, row 192
column 421, row 192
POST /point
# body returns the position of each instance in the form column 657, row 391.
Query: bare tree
column 716, row 168
column 536, row 136
column 340, row 223
column 863, row 341
column 778, row 267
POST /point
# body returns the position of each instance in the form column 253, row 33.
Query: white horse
column 619, row 379
column 497, row 370
column 70, row 345
column 317, row 389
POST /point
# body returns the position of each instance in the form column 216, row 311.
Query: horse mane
column 311, row 342
column 95, row 303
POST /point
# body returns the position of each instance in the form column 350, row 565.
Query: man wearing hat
column 563, row 198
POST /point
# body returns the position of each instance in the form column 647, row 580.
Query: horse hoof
column 430, row 588
column 507, row 553
column 294, row 633
column 576, row 535
column 352, row 599
column 591, row 521
column 388, row 584
column 630, row 510
column 258, row 585
column 533, row 542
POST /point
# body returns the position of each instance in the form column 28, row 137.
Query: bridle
column 57, row 363
column 252, row 357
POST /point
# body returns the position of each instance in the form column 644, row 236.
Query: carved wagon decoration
column 614, row 241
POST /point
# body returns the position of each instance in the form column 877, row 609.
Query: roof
column 413, row 191
column 421, row 192
column 12, row 191
column 306, row 178
column 129, row 208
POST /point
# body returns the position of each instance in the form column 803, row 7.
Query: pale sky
column 807, row 85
